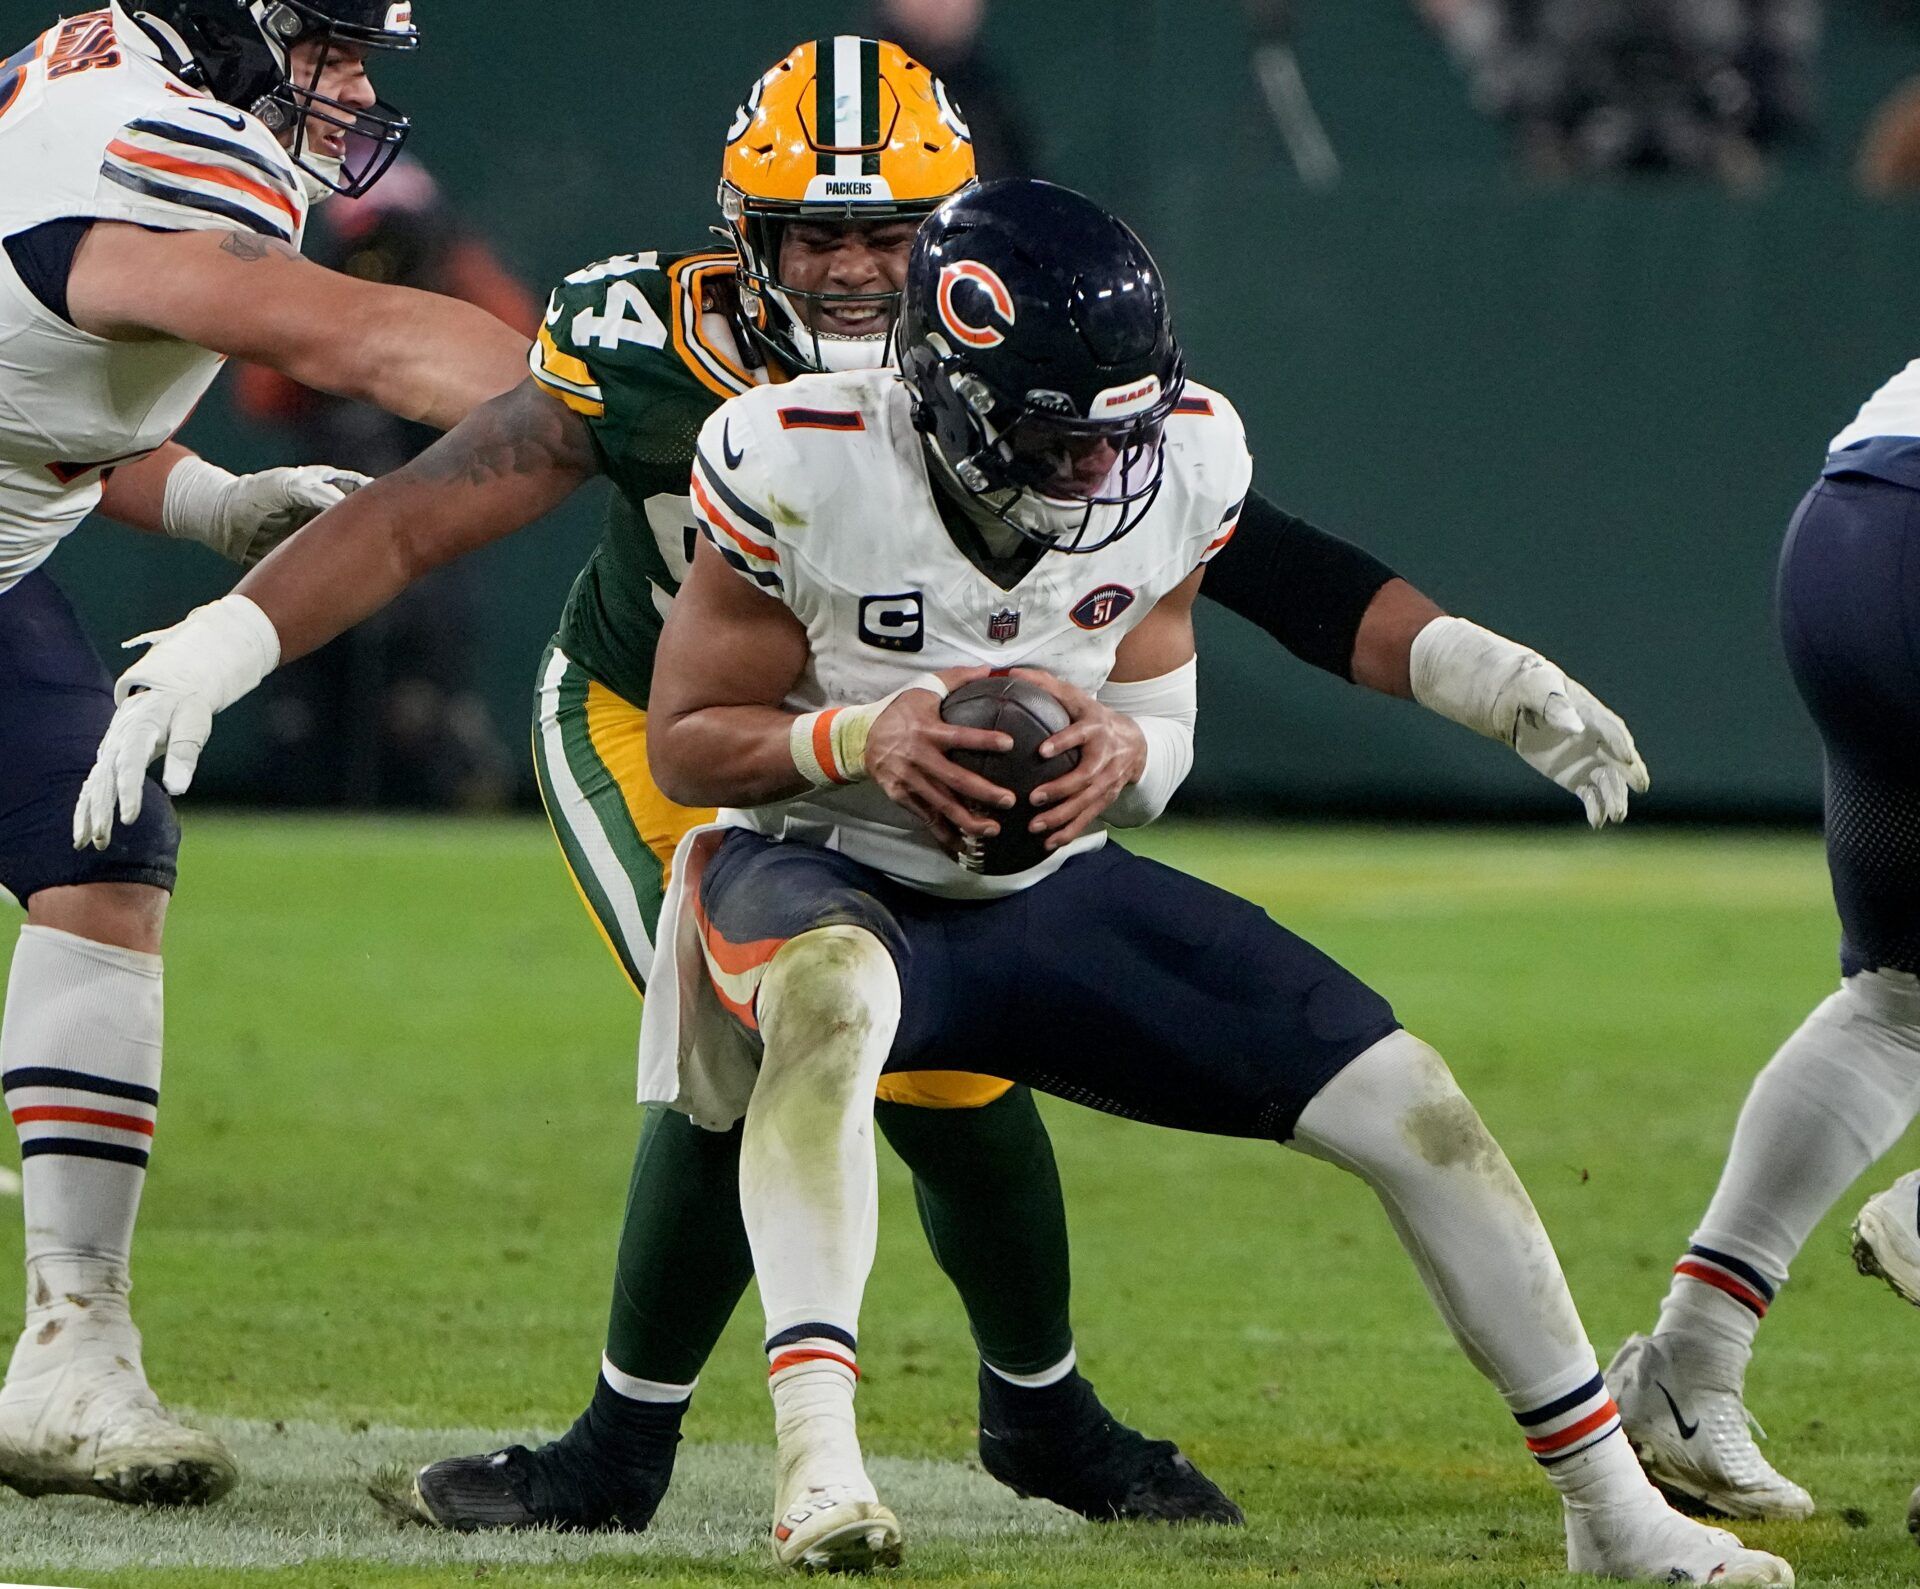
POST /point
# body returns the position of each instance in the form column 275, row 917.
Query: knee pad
column 1398, row 1100
column 825, row 993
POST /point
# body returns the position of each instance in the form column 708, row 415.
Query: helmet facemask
column 785, row 320
column 374, row 134
column 1026, row 461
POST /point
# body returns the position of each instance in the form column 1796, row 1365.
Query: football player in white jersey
column 1844, row 1087
column 1040, row 453
column 157, row 164
column 949, row 575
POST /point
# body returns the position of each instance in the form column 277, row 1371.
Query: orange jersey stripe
column 719, row 521
column 1573, row 1432
column 82, row 1117
column 175, row 166
column 1214, row 546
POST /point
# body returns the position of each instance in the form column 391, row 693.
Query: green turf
column 396, row 1135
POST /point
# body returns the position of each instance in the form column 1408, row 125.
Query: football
column 1029, row 714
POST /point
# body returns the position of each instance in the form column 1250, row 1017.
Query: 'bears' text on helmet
column 843, row 130
column 1035, row 336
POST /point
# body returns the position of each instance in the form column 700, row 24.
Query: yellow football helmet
column 844, row 129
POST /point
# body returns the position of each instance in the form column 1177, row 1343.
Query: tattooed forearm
column 250, row 250
column 525, row 432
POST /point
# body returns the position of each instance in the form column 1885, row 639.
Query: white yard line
column 303, row 1498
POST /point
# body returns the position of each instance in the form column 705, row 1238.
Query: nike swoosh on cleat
column 237, row 123
column 731, row 458
column 1687, row 1430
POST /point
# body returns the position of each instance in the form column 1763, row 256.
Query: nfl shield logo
column 1003, row 625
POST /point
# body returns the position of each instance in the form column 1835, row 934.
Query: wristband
column 830, row 747
column 217, row 653
column 1466, row 673
column 193, row 506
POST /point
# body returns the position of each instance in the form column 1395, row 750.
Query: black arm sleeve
column 1306, row 588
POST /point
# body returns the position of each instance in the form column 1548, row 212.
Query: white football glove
column 1486, row 682
column 244, row 517
column 167, row 699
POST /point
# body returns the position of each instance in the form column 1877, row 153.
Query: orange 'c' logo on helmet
column 983, row 277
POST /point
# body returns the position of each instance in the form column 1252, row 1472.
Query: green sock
column 684, row 1262
column 989, row 1197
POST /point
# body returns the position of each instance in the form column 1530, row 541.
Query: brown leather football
column 1030, row 715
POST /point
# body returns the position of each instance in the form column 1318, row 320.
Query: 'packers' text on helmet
column 241, row 52
column 1036, row 340
column 844, row 130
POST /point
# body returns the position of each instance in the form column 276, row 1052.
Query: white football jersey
column 817, row 492
column 94, row 126
column 1894, row 410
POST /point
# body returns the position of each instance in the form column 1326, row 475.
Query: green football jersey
column 640, row 347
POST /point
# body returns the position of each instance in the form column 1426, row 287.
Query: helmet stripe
column 870, row 105
column 849, row 104
column 823, row 64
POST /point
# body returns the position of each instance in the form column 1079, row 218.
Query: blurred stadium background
column 1552, row 303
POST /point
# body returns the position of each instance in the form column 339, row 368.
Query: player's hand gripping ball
column 1029, row 716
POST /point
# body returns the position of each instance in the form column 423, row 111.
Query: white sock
column 80, row 1051
column 1837, row 1096
column 1396, row 1118
column 812, row 1379
column 827, row 1009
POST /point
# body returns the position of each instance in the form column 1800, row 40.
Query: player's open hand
column 166, row 704
column 1510, row 692
column 908, row 754
column 1113, row 754
column 1575, row 739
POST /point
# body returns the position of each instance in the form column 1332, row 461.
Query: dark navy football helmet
column 241, row 52
column 1035, row 337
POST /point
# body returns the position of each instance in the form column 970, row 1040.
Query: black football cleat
column 1060, row 1444
column 607, row 1473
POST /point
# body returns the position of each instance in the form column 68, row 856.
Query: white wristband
column 1466, row 673
column 193, row 506
column 1166, row 709
column 830, row 747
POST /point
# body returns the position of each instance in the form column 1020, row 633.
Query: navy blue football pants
column 1116, row 982
column 1849, row 606
column 56, row 699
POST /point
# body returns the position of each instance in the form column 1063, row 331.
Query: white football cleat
column 826, row 1516
column 1886, row 1237
column 832, row 1528
column 1648, row 1540
column 1696, row 1441
column 78, row 1418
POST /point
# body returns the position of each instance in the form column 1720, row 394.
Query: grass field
column 397, row 1129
